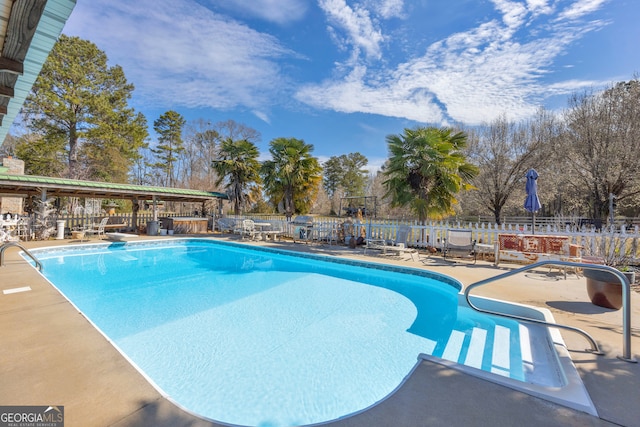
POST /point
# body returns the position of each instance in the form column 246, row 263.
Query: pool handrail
column 626, row 304
column 7, row 245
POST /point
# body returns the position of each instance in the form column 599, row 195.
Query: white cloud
column 183, row 54
column 537, row 7
column 262, row 116
column 353, row 95
column 470, row 76
column 357, row 23
column 513, row 13
column 390, row 8
column 581, row 8
column 180, row 53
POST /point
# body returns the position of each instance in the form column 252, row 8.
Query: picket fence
column 592, row 240
column 79, row 222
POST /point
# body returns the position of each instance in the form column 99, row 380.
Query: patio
column 53, row 355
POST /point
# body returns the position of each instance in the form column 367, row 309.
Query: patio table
column 260, row 226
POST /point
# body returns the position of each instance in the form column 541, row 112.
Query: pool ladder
column 7, row 245
column 626, row 304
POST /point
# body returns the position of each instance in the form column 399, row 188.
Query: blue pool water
column 257, row 337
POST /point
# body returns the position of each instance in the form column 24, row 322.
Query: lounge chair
column 97, row 230
column 226, row 224
column 398, row 245
column 459, row 242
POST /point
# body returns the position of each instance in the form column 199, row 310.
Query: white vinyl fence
column 592, row 241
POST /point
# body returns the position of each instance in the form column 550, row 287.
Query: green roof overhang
column 31, row 185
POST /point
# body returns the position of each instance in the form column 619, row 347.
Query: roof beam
column 59, row 187
column 6, row 91
column 10, row 66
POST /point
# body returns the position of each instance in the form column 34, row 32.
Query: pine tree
column 169, row 129
column 79, row 103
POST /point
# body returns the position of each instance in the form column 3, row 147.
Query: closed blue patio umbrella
column 532, row 202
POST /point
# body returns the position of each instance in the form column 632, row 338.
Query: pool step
column 500, row 361
column 490, row 348
column 476, row 348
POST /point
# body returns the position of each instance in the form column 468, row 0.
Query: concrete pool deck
column 51, row 355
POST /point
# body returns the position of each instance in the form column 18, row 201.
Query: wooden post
column 135, row 206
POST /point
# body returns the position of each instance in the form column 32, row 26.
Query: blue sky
column 344, row 74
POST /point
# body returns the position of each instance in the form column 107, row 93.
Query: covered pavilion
column 44, row 187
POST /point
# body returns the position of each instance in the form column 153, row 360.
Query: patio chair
column 8, row 230
column 97, row 230
column 249, row 229
column 398, row 245
column 460, row 242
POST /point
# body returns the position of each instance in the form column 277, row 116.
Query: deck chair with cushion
column 398, row 245
column 460, row 243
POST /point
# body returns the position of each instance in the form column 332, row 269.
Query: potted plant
column 603, row 287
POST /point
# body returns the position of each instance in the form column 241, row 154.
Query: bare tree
column 384, row 209
column 600, row 145
column 504, row 151
column 201, row 142
column 142, row 172
column 237, row 131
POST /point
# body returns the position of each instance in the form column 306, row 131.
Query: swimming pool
column 258, row 337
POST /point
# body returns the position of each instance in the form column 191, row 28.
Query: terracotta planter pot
column 604, row 288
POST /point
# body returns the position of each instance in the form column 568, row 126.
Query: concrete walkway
column 51, row 355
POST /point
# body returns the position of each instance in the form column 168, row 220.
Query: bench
column 531, row 248
column 115, row 223
column 272, row 234
column 115, row 226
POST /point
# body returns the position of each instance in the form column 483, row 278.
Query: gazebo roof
column 31, row 185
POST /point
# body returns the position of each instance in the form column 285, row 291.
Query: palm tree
column 426, row 169
column 238, row 165
column 293, row 175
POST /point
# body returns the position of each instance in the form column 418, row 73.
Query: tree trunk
column 288, row 201
column 73, row 152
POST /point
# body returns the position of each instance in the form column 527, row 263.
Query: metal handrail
column 7, row 245
column 626, row 304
